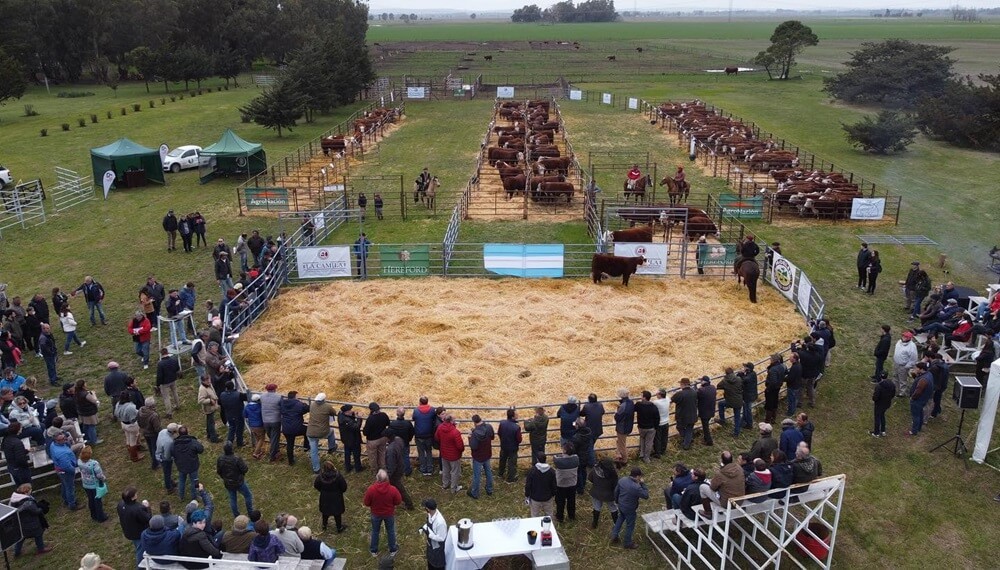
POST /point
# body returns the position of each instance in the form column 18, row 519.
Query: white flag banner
column 802, row 296
column 415, row 92
column 319, row 262
column 606, row 98
column 109, row 179
column 505, row 92
column 164, row 149
column 319, row 221
column 633, row 103
column 575, row 95
column 867, row 208
column 655, row 254
column 783, row 275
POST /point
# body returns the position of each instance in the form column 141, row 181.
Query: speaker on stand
column 967, row 391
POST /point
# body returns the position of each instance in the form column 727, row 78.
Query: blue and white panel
column 520, row 260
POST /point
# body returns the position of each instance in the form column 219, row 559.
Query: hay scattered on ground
column 498, row 342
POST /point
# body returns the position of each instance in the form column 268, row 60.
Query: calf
column 614, row 266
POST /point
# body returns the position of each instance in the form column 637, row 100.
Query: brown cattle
column 611, row 58
column 698, row 225
column 732, row 70
column 540, row 179
column 641, row 234
column 493, row 154
column 560, row 164
column 614, row 266
column 552, row 190
column 513, row 184
column 488, row 57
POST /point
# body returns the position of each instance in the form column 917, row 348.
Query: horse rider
column 679, row 178
column 420, row 186
column 633, row 176
column 748, row 249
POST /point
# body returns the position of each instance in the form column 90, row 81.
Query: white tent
column 987, row 416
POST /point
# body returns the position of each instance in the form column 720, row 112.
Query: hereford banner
column 867, row 208
column 521, row 260
column 783, row 275
column 321, row 262
column 655, row 254
column 405, row 261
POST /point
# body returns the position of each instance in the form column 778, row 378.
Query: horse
column 639, row 189
column 431, row 192
column 678, row 192
column 748, row 271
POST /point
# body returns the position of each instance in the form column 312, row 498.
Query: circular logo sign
column 323, row 254
column 783, row 275
column 640, row 250
column 404, row 255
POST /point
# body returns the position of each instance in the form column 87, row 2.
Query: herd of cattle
column 369, row 124
column 815, row 192
column 525, row 155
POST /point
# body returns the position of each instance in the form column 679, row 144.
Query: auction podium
column 165, row 326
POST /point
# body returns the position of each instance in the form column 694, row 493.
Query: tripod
column 961, row 449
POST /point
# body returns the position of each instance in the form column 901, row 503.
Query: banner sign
column 109, row 179
column 655, row 254
column 783, row 275
column 505, row 92
column 867, row 208
column 802, row 296
column 521, row 260
column 274, row 199
column 633, row 103
column 415, row 92
column 716, row 254
column 575, row 95
column 164, row 150
column 606, row 98
column 404, row 261
column 749, row 208
column 320, row 262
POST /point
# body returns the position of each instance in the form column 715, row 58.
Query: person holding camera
column 434, row 531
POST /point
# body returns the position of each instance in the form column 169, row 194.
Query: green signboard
column 744, row 208
column 404, row 261
column 273, row 199
column 710, row 254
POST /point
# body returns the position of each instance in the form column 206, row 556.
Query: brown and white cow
column 614, row 266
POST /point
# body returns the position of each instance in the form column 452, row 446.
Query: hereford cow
column 614, row 266
column 512, row 184
column 488, row 58
column 732, row 70
column 552, row 190
column 493, row 154
column 641, row 234
column 560, row 165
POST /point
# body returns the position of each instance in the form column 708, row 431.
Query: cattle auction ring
column 497, row 342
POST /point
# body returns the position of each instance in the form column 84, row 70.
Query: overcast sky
column 678, row 5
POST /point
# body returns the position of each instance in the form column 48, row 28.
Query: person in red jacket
column 452, row 446
column 139, row 327
column 382, row 498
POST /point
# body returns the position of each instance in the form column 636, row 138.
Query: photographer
column 434, row 531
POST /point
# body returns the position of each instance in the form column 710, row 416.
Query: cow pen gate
column 23, row 205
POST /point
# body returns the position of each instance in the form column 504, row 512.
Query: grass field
column 905, row 508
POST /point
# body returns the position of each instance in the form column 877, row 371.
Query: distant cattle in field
column 614, row 266
column 732, row 70
column 488, row 57
column 638, row 49
column 611, row 58
column 641, row 234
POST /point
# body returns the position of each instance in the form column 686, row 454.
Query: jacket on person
column 266, row 548
column 729, row 482
column 882, row 348
column 647, row 415
column 905, row 353
column 594, row 414
column 568, row 414
column 811, row 360
column 293, row 413
column 567, row 468
column 320, row 413
column 403, row 428
column 232, row 470
column 583, row 443
column 164, row 446
column 29, row 512
column 706, row 402
column 540, row 483
column 775, row 379
column 63, row 459
column 677, row 486
column 781, row 475
column 395, row 456
column 186, row 451
column 167, row 370
column 196, row 543
column 732, row 390
column 208, row 399
column 93, row 292
column 231, row 402
column 806, row 469
column 481, row 442
column 538, row 430
column 14, row 452
column 883, row 394
column 237, row 541
column 223, row 270
column 602, row 484
column 375, row 425
column 749, row 378
column 451, row 442
column 690, row 498
column 509, row 433
column 149, row 421
column 140, row 329
column 382, row 498
column 793, row 378
column 350, row 429
column 164, row 541
column 790, row 440
column 922, row 388
column 625, row 416
column 763, row 448
column 134, row 518
column 331, row 486
column 253, row 416
column 685, row 406
column 627, row 494
column 423, row 421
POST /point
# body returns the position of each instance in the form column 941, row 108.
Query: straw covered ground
column 507, row 341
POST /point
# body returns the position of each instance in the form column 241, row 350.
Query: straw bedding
column 507, row 341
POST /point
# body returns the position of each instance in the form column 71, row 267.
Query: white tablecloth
column 492, row 539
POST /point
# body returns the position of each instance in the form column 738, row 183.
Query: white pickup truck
column 5, row 177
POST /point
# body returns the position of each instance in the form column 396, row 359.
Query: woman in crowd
column 86, row 408
column 92, row 477
column 331, row 486
column 69, row 327
column 33, row 523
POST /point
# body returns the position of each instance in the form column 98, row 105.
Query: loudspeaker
column 10, row 527
column 967, row 392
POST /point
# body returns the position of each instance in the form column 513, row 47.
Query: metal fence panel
column 22, row 205
column 71, row 189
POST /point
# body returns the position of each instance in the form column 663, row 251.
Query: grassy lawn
column 895, row 487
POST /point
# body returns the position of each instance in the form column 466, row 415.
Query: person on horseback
column 633, row 176
column 421, row 184
column 679, row 179
column 748, row 249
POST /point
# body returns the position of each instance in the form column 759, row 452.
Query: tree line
column 566, row 12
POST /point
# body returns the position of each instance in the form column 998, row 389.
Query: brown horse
column 678, row 192
column 639, row 189
column 748, row 271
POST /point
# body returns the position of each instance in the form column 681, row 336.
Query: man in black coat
column 793, row 378
column 706, row 407
column 749, row 378
column 811, row 360
column 882, row 396
column 403, row 428
column 195, row 542
column 186, row 451
column 134, row 518
column 882, row 352
column 350, row 435
column 18, row 463
column 375, row 440
column 685, row 412
column 114, row 382
column 232, row 470
column 41, row 307
column 231, row 401
column 593, row 412
column 167, row 371
column 864, row 257
column 170, row 226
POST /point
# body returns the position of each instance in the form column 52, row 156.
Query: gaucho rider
column 633, row 176
column 748, row 250
column 679, row 178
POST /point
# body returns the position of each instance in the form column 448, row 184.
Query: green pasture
column 898, row 494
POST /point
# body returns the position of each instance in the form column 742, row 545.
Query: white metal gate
column 22, row 205
column 71, row 189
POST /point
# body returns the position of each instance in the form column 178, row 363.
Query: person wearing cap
column 790, row 437
column 170, row 226
column 195, row 542
column 864, row 257
column 255, row 421
column 765, row 444
column 660, row 435
column 224, row 272
column 350, row 435
column 321, row 416
column 685, row 403
column 374, row 431
column 435, row 532
column 629, row 491
column 114, row 381
column 270, row 409
column 92, row 561
column 916, row 286
column 706, row 408
column 237, row 541
column 567, row 414
column 921, row 392
column 158, row 540
column 904, row 357
column 164, row 453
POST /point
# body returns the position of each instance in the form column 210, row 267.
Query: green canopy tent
column 133, row 164
column 232, row 155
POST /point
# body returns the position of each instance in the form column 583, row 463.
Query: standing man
column 375, row 440
column 321, row 413
column 186, row 450
column 93, row 293
column 593, row 413
column 134, row 519
column 685, row 412
column 308, row 228
column 186, row 228
column 48, row 350
column 435, row 531
column 403, row 428
column 452, row 446
column 382, row 498
column 156, row 292
column 255, row 244
column 64, row 461
column 224, row 273
column 660, row 437
column 648, row 418
column 749, row 378
column 231, row 401
column 775, row 378
column 209, row 402
column 509, row 433
column 139, row 327
column 706, row 408
column 379, row 203
column 904, row 358
column 361, row 246
column 149, row 426
column 164, row 452
column 423, row 431
column 167, row 370
column 395, row 466
column 864, row 257
column 423, row 182
column 270, row 411
column 232, row 470
column 920, row 393
column 627, row 495
column 540, row 487
column 350, row 436
column 624, row 422
column 916, row 286
column 255, row 421
column 175, row 306
column 882, row 397
column 481, row 444
column 882, row 352
column 732, row 397
column 538, row 431
column 793, row 379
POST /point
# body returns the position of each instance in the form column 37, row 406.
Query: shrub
column 888, row 132
column 29, row 111
column 173, row 99
column 182, row 96
column 136, row 107
column 109, row 114
column 193, row 94
column 65, row 126
column 218, row 89
column 226, row 87
column 73, row 94
column 45, row 132
column 245, row 118
column 163, row 101
column 152, row 105
column 123, row 112
column 93, row 118
column 82, row 122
